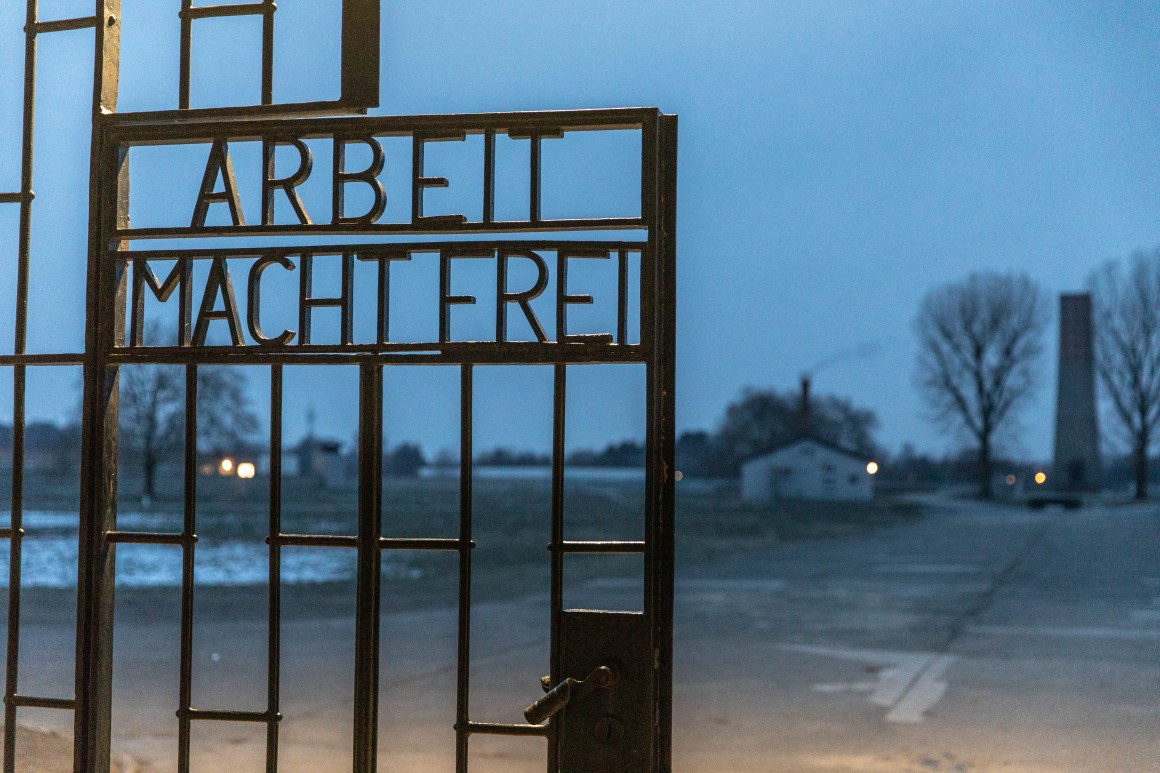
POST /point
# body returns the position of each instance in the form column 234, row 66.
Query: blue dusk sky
column 837, row 160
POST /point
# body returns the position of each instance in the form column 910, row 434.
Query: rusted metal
column 274, row 582
column 189, row 531
column 92, row 719
column 366, row 642
column 120, row 272
column 463, row 633
column 606, row 726
column 556, row 698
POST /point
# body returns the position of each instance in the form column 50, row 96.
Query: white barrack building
column 807, row 468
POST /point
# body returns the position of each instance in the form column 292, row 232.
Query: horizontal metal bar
column 42, row 359
column 150, row 538
column 61, row 25
column 392, row 248
column 158, row 128
column 16, row 198
column 592, row 546
column 484, row 353
column 491, row 728
column 190, row 117
column 511, row 226
column 219, row 11
column 315, row 540
column 423, row 543
column 207, row 715
column 8, row 533
column 29, row 702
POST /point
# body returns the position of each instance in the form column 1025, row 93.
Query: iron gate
column 630, row 652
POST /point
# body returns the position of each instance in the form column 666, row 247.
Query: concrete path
column 974, row 639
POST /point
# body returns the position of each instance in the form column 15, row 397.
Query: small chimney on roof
column 804, row 410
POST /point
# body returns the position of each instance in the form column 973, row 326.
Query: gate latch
column 602, row 677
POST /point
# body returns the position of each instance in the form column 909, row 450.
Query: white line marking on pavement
column 927, row 690
column 909, row 683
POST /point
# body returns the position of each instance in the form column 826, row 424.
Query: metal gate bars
column 121, row 277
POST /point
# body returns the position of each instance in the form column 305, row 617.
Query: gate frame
column 105, row 325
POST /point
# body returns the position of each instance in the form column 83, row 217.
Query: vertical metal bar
column 12, row 660
column 29, row 125
column 268, row 53
column 345, row 305
column 665, row 405
column 534, row 178
column 653, row 401
column 366, row 647
column 559, row 403
column 463, row 665
column 418, row 152
column 305, row 289
column 185, row 689
column 14, row 557
column 183, row 67
column 274, row 623
column 105, row 323
column 648, row 163
column 489, row 176
column 360, row 53
column 383, row 323
column 444, row 292
column 650, row 187
column 622, row 297
column 648, row 257
column 561, row 291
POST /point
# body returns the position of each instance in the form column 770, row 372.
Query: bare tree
column 1126, row 311
column 979, row 342
column 152, row 413
column 151, row 420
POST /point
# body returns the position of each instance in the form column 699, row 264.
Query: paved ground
column 977, row 639
column 973, row 639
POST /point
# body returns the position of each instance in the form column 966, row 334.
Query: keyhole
column 609, row 730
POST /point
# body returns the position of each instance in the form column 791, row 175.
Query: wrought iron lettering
column 221, row 185
column 219, row 301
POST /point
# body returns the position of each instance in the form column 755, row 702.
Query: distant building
column 807, row 468
column 321, row 459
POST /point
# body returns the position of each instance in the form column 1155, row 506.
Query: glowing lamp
column 246, row 470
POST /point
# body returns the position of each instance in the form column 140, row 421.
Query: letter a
column 218, row 165
column 218, row 283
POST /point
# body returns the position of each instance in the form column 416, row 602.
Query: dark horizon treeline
column 54, row 449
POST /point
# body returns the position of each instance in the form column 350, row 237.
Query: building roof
column 806, row 439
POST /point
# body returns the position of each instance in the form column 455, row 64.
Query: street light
column 1040, row 478
column 872, row 468
column 226, row 466
column 246, row 470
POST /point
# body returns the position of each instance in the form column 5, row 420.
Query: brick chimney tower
column 804, row 409
column 1077, row 453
